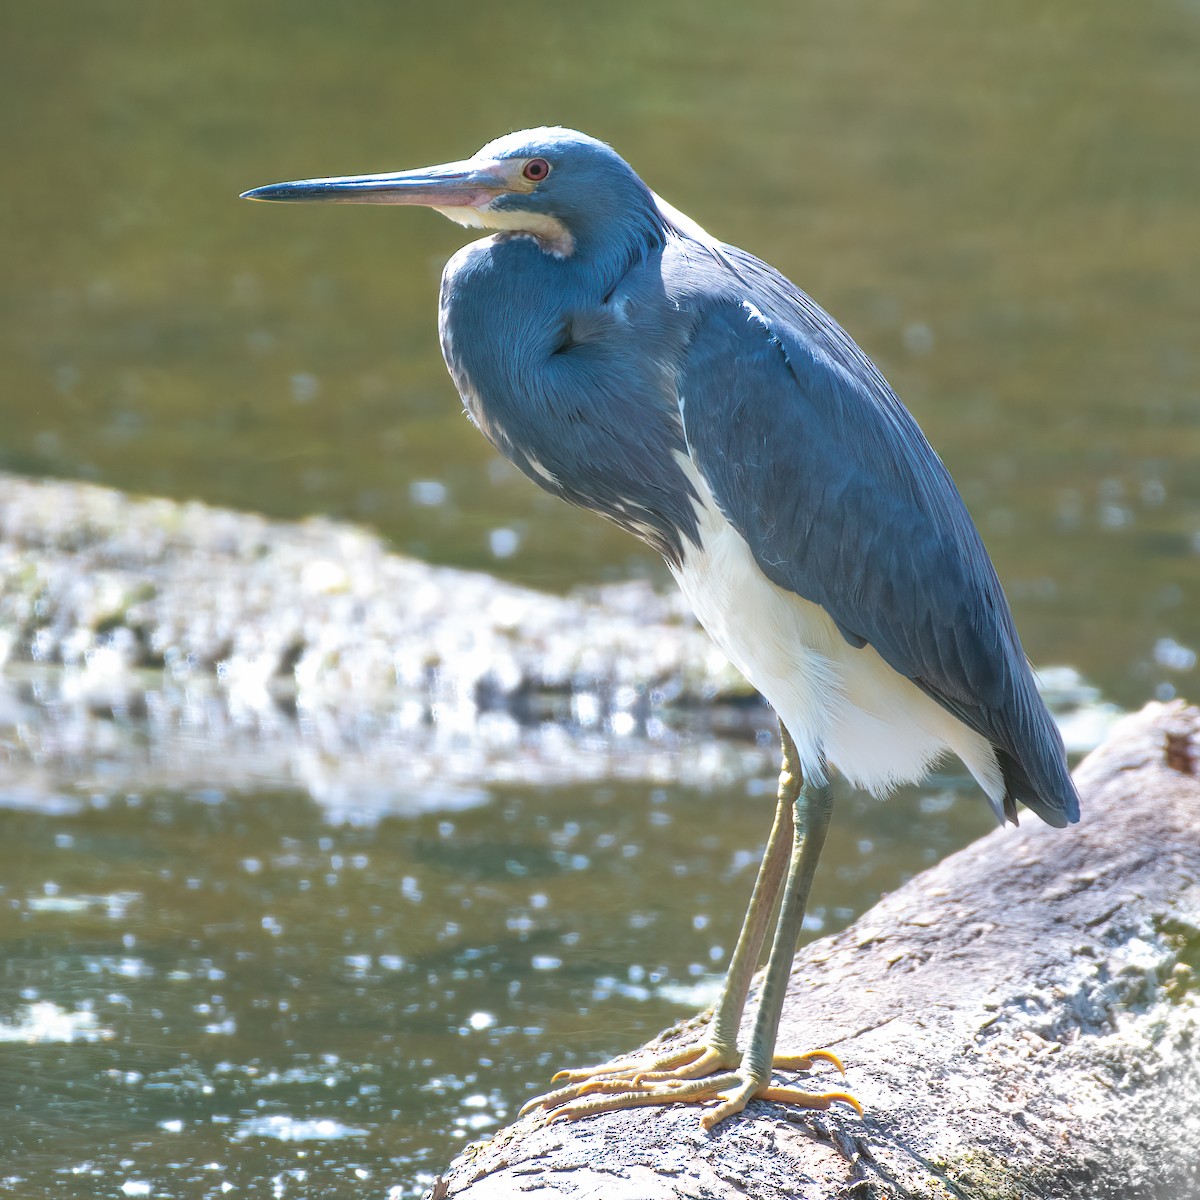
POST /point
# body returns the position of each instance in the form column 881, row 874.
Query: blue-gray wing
column 822, row 470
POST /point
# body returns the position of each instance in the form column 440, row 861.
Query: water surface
column 998, row 202
column 221, row 988
column 208, row 990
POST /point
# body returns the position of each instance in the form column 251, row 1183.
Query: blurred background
column 998, row 201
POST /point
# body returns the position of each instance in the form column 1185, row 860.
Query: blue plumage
column 842, row 501
column 585, row 408
column 629, row 363
column 593, row 371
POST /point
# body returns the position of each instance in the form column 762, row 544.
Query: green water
column 999, row 201
column 254, row 992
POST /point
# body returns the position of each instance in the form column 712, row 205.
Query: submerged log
column 1022, row 1020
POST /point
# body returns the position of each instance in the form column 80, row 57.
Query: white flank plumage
column 842, row 705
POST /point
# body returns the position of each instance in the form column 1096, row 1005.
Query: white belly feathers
column 842, row 705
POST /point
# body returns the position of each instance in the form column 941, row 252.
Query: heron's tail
column 1037, row 774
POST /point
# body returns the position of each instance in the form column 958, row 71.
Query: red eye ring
column 536, row 169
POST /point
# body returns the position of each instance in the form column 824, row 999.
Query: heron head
column 557, row 185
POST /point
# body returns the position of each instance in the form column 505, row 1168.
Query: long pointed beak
column 468, row 184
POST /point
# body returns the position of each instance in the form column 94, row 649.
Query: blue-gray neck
column 562, row 362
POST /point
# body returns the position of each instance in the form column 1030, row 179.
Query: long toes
column 579, row 1074
column 531, row 1104
column 731, row 1104
column 618, row 1086
column 707, row 1063
column 573, row 1091
column 632, row 1068
column 816, row 1100
column 591, row 1105
column 731, row 1089
column 689, row 1091
column 664, row 1063
column 804, row 1062
column 550, row 1099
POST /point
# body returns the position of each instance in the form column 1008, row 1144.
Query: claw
column 804, row 1062
column 549, row 1100
column 818, row 1100
column 574, row 1074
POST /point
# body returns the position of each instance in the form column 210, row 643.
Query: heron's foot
column 726, row 1093
column 697, row 1074
column 741, row 1087
column 688, row 1062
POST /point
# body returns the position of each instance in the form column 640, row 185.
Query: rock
column 167, row 644
column 1021, row 1021
column 316, row 607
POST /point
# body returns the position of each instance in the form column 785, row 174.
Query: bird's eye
column 536, row 169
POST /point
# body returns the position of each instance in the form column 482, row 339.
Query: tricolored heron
column 632, row 364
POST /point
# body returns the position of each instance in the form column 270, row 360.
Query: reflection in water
column 212, row 989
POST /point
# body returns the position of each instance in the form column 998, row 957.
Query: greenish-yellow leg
column 712, row 1069
column 813, row 811
column 728, row 1017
